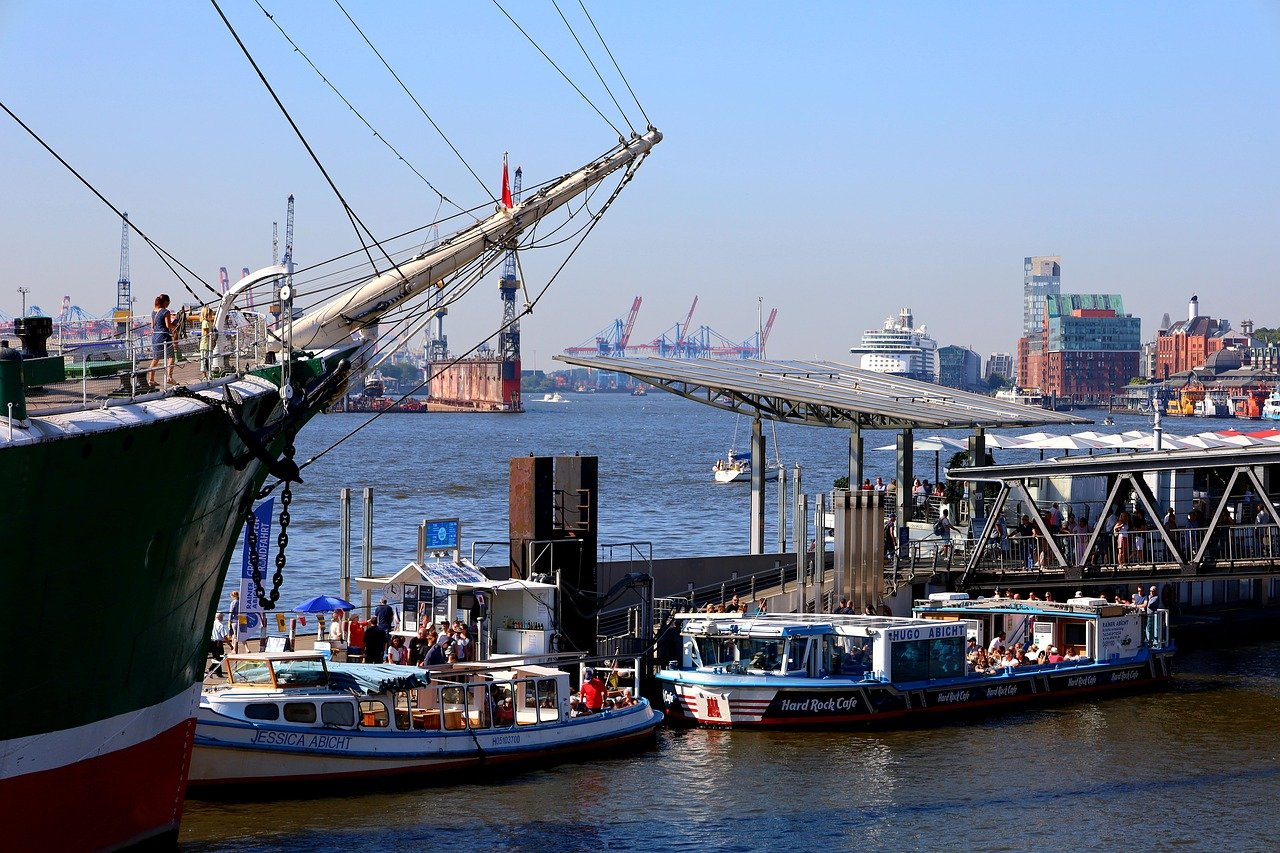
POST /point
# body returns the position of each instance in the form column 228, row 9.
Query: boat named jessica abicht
column 816, row 670
column 294, row 717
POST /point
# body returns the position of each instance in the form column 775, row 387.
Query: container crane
column 124, row 289
column 611, row 340
column 681, row 331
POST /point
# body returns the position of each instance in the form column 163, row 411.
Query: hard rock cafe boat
column 797, row 671
column 292, row 717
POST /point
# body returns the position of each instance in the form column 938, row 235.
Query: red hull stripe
column 117, row 799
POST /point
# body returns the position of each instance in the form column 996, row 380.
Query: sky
column 837, row 161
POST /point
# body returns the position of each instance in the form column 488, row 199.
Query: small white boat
column 293, row 717
column 736, row 467
column 1108, row 421
column 1271, row 406
column 553, row 398
column 1212, row 407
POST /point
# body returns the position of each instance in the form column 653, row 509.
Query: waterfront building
column 1187, row 344
column 1090, row 346
column 999, row 364
column 899, row 348
column 1041, row 278
column 959, row 367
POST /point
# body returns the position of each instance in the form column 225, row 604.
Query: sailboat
column 113, row 738
column 735, row 467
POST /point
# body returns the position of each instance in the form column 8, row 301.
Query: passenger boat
column 736, row 467
column 293, row 717
column 807, row 670
column 1271, row 406
column 114, row 743
column 1210, row 406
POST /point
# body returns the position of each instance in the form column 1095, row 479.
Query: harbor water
column 1193, row 767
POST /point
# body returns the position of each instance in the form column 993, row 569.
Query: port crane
column 612, row 339
column 124, row 288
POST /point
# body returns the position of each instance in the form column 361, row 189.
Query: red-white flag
column 507, row 201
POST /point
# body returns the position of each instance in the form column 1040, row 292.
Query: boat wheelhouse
column 294, row 717
column 817, row 670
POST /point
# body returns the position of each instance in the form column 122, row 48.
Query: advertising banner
column 250, row 611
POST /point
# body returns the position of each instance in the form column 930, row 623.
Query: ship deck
column 107, row 382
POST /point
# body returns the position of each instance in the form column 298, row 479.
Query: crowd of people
column 375, row 639
column 737, row 605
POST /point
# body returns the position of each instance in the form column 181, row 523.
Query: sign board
column 1119, row 637
column 1042, row 634
column 249, row 606
column 441, row 537
column 939, row 631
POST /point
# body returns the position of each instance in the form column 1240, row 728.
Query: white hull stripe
column 51, row 750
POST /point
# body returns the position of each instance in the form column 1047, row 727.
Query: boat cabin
column 301, row 690
column 1096, row 629
column 824, row 646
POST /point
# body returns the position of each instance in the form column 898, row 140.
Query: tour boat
column 816, row 670
column 295, row 717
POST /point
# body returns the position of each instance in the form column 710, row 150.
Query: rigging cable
column 615, row 65
column 558, row 69
column 412, row 97
column 590, row 62
column 353, row 109
column 356, row 222
column 162, row 253
column 527, row 310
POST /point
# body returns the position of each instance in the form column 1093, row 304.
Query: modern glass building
column 959, row 367
column 1090, row 346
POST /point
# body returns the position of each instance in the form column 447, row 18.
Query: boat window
column 373, row 714
column 300, row 712
column 305, row 672
column 479, row 711
column 526, row 703
column 504, row 707
column 548, row 705
column 338, row 714
column 920, row 660
column 846, row 655
column 250, row 672
column 754, row 652
column 1074, row 634
column 453, row 708
column 262, row 711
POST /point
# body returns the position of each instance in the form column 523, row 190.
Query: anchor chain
column 267, row 601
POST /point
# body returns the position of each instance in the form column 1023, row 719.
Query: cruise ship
column 899, row 348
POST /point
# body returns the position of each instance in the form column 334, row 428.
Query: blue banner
column 262, row 529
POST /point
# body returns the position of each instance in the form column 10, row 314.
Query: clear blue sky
column 840, row 160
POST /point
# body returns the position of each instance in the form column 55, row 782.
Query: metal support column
column 977, row 459
column 757, row 487
column 782, row 510
column 905, row 475
column 344, row 544
column 802, row 540
column 367, row 546
column 820, row 549
column 856, row 458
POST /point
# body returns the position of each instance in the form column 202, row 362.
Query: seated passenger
column 1054, row 655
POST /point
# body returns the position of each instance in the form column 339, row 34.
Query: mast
column 334, row 322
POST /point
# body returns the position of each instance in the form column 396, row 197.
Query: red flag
column 507, row 201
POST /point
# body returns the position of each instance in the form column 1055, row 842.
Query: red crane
column 764, row 336
column 683, row 331
column 631, row 323
column 611, row 340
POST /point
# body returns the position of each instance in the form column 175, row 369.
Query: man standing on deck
column 385, row 615
column 375, row 643
column 1152, row 606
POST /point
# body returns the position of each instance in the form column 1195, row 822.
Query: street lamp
column 24, row 291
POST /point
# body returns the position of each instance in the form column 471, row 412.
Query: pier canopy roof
column 823, row 393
